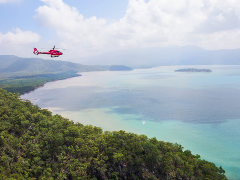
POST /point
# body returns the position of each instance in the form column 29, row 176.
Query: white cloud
column 9, row 1
column 19, row 37
column 211, row 24
column 18, row 42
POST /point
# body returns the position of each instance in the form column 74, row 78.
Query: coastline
column 200, row 138
column 26, row 84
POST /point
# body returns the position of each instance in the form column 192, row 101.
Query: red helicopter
column 53, row 52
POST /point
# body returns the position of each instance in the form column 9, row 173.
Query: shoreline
column 26, row 84
column 48, row 82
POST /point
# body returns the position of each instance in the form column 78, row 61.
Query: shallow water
column 200, row 111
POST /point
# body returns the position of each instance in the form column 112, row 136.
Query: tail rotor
column 35, row 51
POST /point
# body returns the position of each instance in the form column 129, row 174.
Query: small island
column 193, row 70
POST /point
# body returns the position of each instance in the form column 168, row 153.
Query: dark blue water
column 198, row 110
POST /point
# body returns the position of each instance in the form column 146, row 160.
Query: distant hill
column 11, row 66
column 193, row 70
column 173, row 55
column 119, row 68
column 22, row 75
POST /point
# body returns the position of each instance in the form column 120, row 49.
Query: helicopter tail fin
column 35, row 51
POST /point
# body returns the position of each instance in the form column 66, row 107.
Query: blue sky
column 20, row 13
column 91, row 27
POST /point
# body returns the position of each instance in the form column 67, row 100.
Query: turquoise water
column 200, row 111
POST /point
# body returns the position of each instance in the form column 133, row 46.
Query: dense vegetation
column 34, row 144
column 24, row 84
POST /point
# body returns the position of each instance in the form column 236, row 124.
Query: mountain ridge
column 165, row 56
column 16, row 66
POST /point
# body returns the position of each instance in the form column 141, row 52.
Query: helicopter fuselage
column 53, row 53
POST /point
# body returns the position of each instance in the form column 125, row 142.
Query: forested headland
column 34, row 144
column 24, row 84
column 21, row 75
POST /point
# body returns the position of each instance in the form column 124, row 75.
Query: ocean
column 199, row 110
